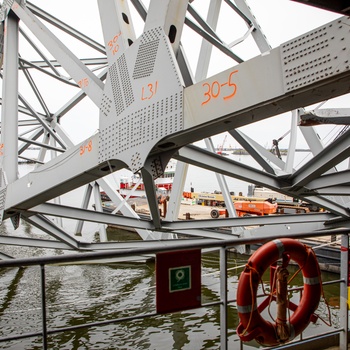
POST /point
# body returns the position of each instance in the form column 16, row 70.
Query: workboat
column 133, row 186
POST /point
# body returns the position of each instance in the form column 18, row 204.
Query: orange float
column 252, row 325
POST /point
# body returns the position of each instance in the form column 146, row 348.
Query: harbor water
column 78, row 294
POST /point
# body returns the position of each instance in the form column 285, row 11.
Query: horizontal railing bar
column 292, row 289
column 21, row 336
column 183, row 245
column 296, row 344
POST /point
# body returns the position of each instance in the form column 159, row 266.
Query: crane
column 221, row 147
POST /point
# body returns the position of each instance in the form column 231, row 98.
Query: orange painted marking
column 86, row 148
column 214, row 90
column 113, row 44
column 83, row 83
column 149, row 91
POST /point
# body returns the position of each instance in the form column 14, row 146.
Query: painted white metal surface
column 146, row 107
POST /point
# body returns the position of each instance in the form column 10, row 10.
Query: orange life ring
column 252, row 325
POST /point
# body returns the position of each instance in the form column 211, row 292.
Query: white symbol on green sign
column 179, row 278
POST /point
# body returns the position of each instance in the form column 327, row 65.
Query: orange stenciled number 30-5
column 215, row 89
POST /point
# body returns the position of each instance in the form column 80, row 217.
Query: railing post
column 344, row 275
column 223, row 297
column 43, row 306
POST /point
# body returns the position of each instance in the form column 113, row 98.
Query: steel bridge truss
column 148, row 107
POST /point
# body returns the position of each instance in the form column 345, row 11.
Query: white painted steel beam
column 98, row 61
column 84, row 205
column 42, row 121
column 201, row 73
column 98, row 208
column 326, row 116
column 207, row 160
column 341, row 178
column 151, row 197
column 27, row 65
column 29, row 141
column 35, row 242
column 91, row 216
column 35, row 90
column 249, row 221
column 210, row 161
column 224, row 189
column 125, row 209
column 213, row 40
column 150, row 110
column 65, row 27
column 46, row 225
column 86, row 80
column 177, row 191
column 257, row 33
column 335, row 191
column 9, row 128
column 79, row 164
column 118, row 30
column 206, row 48
column 168, row 15
column 46, row 61
column 338, row 151
column 202, row 111
column 260, row 154
column 264, row 86
column 287, row 228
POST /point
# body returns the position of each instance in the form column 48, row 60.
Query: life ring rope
column 253, row 300
column 329, row 323
column 309, row 251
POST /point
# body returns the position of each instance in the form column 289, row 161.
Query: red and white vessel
column 133, row 186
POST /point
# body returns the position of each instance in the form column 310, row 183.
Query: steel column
column 98, row 203
column 9, row 127
column 223, row 298
column 344, row 290
column 43, row 306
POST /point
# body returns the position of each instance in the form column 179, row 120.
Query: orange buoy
column 252, row 325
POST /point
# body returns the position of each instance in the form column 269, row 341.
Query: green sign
column 179, row 278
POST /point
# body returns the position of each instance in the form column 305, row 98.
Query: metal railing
column 223, row 247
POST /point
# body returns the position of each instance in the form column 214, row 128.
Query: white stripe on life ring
column 280, row 247
column 311, row 280
column 246, row 309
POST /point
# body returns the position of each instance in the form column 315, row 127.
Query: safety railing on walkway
column 339, row 334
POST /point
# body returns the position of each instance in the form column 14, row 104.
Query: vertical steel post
column 344, row 275
column 43, row 306
column 9, row 122
column 98, row 203
column 223, row 297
